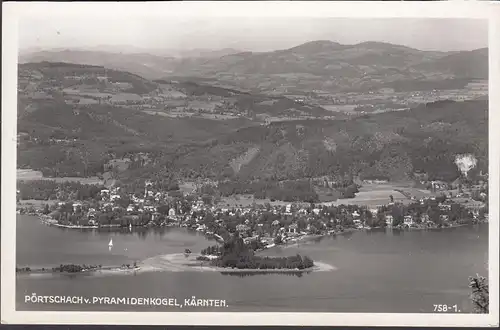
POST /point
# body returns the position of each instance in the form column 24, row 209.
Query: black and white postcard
column 253, row 163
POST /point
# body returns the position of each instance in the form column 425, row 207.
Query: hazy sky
column 257, row 34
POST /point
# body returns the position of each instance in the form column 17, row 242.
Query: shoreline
column 50, row 271
column 176, row 262
column 179, row 262
column 305, row 239
column 308, row 237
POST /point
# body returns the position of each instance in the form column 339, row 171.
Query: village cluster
column 268, row 224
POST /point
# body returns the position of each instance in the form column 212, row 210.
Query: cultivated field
column 338, row 108
column 177, row 114
column 373, row 195
column 124, row 97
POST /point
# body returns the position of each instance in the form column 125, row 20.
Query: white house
column 76, row 205
column 389, row 219
column 293, row 228
column 408, row 220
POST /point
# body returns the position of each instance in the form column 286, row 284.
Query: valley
column 348, row 117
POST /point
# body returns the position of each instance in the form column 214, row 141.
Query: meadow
column 27, row 175
column 373, row 195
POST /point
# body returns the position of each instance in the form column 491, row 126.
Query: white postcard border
column 13, row 11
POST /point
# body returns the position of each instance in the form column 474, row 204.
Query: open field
column 23, row 174
column 187, row 187
column 27, row 175
column 244, row 159
column 216, row 116
column 161, row 113
column 175, row 114
column 124, row 97
column 338, row 108
column 372, row 195
column 36, row 203
column 83, row 92
column 370, row 198
column 203, row 105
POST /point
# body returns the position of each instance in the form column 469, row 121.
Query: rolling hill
column 63, row 74
column 392, row 145
column 78, row 140
column 326, row 58
column 313, row 60
column 145, row 65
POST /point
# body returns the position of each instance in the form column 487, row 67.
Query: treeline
column 213, row 250
column 289, row 191
column 256, row 262
column 51, row 190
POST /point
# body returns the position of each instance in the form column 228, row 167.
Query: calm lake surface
column 376, row 271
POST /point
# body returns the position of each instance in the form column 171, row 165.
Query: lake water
column 376, row 271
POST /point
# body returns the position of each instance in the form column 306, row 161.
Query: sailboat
column 110, row 243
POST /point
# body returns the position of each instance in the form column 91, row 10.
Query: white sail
column 110, row 243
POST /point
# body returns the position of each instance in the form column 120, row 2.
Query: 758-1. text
column 446, row 309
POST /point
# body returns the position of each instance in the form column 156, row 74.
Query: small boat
column 110, row 243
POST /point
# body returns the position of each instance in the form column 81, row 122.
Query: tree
column 480, row 294
column 397, row 214
column 163, row 209
column 207, row 200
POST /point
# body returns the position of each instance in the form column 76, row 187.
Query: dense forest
column 60, row 140
column 400, row 146
column 52, row 190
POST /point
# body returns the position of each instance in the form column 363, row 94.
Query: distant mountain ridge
column 318, row 58
column 328, row 58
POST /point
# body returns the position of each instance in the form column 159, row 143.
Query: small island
column 235, row 254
